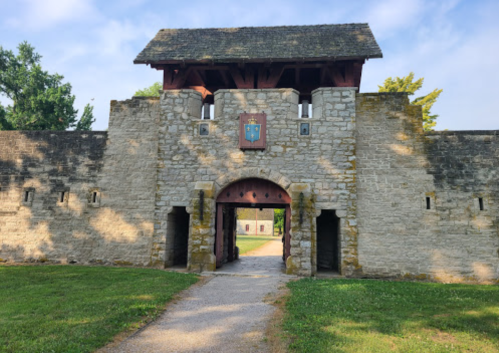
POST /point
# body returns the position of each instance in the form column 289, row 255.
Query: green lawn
column 247, row 243
column 78, row 309
column 381, row 316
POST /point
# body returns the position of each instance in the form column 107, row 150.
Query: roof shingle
column 261, row 44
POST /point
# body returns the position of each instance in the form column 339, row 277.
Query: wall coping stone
column 335, row 89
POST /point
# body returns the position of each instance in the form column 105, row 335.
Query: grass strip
column 343, row 315
column 247, row 243
column 76, row 308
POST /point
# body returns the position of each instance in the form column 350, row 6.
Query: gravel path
column 226, row 314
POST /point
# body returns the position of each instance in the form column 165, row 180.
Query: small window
column 93, row 197
column 480, row 203
column 428, row 203
column 62, row 195
column 27, row 196
column 305, row 109
column 247, row 227
column 262, row 228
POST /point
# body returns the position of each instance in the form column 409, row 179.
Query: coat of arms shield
column 252, row 130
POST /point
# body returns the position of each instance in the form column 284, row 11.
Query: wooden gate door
column 231, row 228
column 287, row 232
column 226, row 230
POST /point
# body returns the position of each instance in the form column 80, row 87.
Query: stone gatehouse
column 366, row 191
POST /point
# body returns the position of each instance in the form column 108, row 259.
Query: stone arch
column 248, row 192
column 246, row 173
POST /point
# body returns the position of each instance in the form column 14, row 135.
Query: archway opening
column 255, row 196
column 328, row 241
column 177, row 237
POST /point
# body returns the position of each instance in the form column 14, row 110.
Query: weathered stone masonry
column 297, row 163
column 367, row 158
column 119, row 166
column 398, row 167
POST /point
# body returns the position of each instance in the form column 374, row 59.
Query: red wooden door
column 231, row 233
column 287, row 232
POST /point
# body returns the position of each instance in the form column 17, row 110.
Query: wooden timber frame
column 304, row 76
column 248, row 193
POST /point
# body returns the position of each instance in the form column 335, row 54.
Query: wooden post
column 219, row 241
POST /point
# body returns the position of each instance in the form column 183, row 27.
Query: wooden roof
column 251, row 214
column 261, row 44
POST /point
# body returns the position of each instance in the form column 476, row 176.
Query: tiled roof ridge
column 281, row 26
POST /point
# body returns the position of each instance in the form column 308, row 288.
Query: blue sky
column 453, row 44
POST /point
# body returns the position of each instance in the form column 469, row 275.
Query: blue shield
column 252, row 132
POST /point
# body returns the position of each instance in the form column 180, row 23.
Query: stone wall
column 324, row 171
column 128, row 182
column 465, row 167
column 399, row 167
column 38, row 226
column 97, row 197
column 106, row 214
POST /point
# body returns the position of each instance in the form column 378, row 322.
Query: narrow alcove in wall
column 177, row 237
column 328, row 240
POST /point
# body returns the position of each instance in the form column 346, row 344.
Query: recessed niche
column 204, row 129
column 304, row 129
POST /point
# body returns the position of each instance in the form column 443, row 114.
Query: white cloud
column 36, row 14
column 388, row 17
column 115, row 37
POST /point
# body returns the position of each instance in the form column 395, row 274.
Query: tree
column 86, row 120
column 279, row 218
column 152, row 91
column 407, row 84
column 40, row 101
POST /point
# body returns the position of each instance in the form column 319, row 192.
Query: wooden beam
column 324, row 74
column 248, row 81
column 225, row 78
column 202, row 76
column 274, row 74
column 201, row 89
column 357, row 73
column 174, row 79
column 342, row 76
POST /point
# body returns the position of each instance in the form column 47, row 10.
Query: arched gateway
column 247, row 193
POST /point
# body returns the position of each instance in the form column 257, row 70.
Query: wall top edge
column 321, row 89
column 375, row 94
column 462, row 132
column 52, row 132
column 179, row 91
column 235, row 90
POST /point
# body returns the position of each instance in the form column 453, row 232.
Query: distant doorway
column 177, row 237
column 328, row 241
